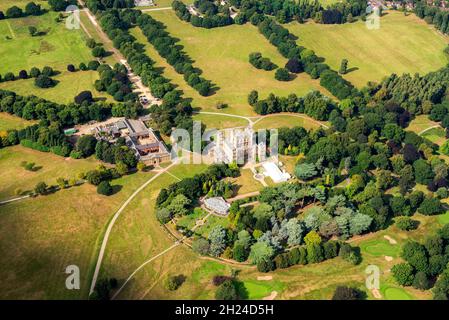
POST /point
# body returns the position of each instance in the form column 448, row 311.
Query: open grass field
column 50, row 167
column 246, row 182
column 42, row 236
column 402, row 44
column 222, row 54
column 137, row 236
column 58, row 46
column 276, row 121
column 8, row 122
column 220, row 122
column 69, row 85
column 257, row 290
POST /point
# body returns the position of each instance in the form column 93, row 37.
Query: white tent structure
column 273, row 171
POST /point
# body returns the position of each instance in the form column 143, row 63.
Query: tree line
column 283, row 11
column 31, row 9
column 214, row 16
column 313, row 104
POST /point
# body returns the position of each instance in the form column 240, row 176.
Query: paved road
column 111, row 224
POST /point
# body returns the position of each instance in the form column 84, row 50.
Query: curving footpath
column 112, row 222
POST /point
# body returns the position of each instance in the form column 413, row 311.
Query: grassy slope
column 222, row 54
column 51, row 168
column 8, row 122
column 68, row 86
column 218, row 122
column 137, row 236
column 402, row 44
column 285, row 120
column 40, row 237
column 59, row 47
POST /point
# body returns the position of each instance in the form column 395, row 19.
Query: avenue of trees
column 175, row 111
column 168, row 48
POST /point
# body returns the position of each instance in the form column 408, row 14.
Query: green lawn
column 220, row 122
column 137, row 236
column 402, row 44
column 222, row 55
column 277, row 121
column 421, row 123
column 394, row 293
column 68, row 86
column 444, row 218
column 50, row 167
column 380, row 248
column 8, row 122
column 256, row 290
column 436, row 135
column 57, row 48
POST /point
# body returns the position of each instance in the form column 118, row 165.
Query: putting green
column 396, row 294
column 380, row 247
column 259, row 289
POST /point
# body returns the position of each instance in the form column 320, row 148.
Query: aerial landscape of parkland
column 250, row 150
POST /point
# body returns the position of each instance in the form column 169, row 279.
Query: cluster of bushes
column 214, row 16
column 175, row 111
column 314, row 104
column 168, row 48
column 259, row 62
column 115, row 81
column 31, row 9
column 426, row 264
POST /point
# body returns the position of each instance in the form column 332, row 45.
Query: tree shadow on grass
column 352, row 69
column 116, row 189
